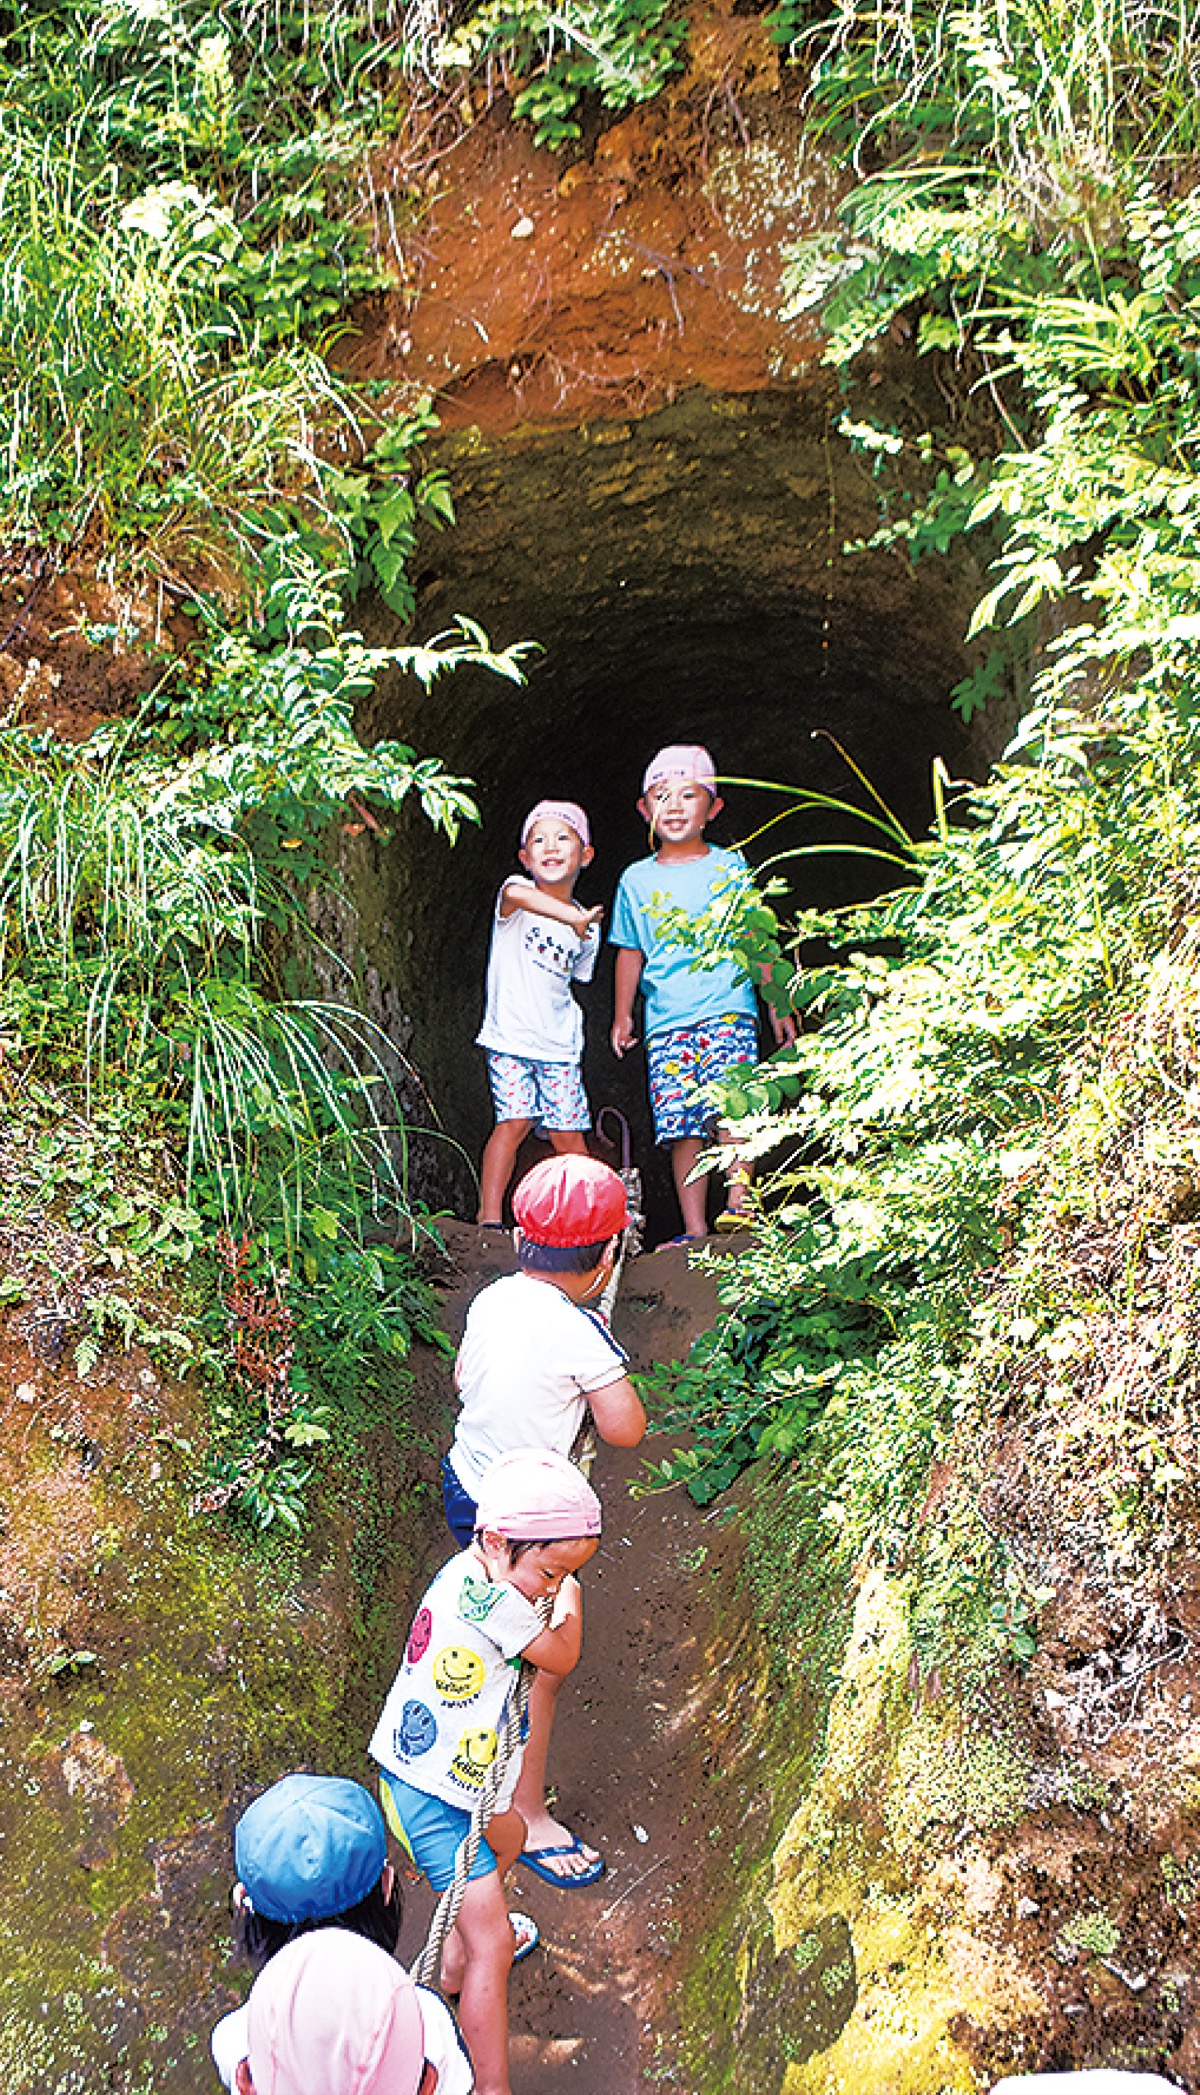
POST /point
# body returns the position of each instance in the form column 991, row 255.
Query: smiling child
column 700, row 1018
column 542, row 941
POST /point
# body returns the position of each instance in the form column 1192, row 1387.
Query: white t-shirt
column 529, row 1360
column 530, row 1010
column 444, row 2047
column 1094, row 2080
column 439, row 1728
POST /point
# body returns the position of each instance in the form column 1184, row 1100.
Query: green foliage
column 1094, row 1931
column 154, row 882
column 380, row 505
column 1028, row 218
column 138, row 879
column 179, row 242
column 619, row 52
column 1019, row 199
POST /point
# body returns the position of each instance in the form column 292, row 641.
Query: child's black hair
column 517, row 1550
column 375, row 1917
column 561, row 1258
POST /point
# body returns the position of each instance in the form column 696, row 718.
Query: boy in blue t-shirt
column 699, row 1022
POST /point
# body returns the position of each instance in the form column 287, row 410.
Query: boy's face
column 677, row 810
column 542, row 1570
column 554, row 852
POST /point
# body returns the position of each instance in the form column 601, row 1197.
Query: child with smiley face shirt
column 542, row 942
column 439, row 1731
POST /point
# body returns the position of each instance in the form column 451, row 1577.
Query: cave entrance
column 683, row 576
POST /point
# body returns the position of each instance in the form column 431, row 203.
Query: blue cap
column 309, row 1847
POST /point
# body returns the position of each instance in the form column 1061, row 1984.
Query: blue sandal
column 537, row 1860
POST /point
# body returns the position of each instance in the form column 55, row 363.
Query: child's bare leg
column 478, row 1957
column 529, row 1797
column 567, row 1142
column 693, row 1198
column 738, row 1172
column 499, row 1163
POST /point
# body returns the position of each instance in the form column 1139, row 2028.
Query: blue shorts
column 681, row 1060
column 460, row 1510
column 550, row 1093
column 432, row 1830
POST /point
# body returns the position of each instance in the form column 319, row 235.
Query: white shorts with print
column 550, row 1093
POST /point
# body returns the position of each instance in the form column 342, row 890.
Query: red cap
column 570, row 1200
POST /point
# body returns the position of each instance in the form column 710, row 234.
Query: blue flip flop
column 535, row 1859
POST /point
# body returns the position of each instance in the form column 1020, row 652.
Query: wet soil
column 597, row 2008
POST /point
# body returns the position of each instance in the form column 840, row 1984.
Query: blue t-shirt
column 676, row 992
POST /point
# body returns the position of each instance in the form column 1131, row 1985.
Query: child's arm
column 618, row 1413
column 783, row 1023
column 557, row 1650
column 525, row 894
column 630, row 963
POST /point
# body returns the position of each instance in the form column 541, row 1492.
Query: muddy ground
column 157, row 1679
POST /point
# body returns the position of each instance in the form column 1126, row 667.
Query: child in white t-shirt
column 542, row 941
column 440, row 1728
column 535, row 1365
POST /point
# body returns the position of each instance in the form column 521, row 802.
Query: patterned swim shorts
column 683, row 1059
column 551, row 1093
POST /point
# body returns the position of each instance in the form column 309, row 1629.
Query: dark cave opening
column 680, row 577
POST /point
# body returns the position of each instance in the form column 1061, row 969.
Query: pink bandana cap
column 333, row 2014
column 568, row 811
column 685, row 760
column 536, row 1495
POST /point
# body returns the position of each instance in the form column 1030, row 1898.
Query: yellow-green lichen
column 953, row 1778
column 856, row 1853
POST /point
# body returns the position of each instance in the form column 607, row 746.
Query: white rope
column 631, row 1236
column 426, row 1970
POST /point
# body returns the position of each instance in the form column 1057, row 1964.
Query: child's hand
column 783, row 1026
column 585, row 918
column 567, row 1601
column 622, row 1036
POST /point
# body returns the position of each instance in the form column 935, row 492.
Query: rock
column 91, row 1770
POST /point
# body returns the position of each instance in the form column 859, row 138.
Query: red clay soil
column 592, row 2006
column 534, row 288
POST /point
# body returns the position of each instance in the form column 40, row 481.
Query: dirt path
column 591, row 2010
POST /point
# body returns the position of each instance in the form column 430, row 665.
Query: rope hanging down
column 426, row 1970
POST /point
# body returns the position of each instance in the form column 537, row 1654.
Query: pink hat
column 333, row 2014
column 686, row 760
column 567, row 811
column 536, row 1495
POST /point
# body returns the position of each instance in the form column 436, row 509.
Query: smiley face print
column 416, row 1731
column 477, row 1599
column 418, row 1636
column 473, row 1756
column 458, row 1673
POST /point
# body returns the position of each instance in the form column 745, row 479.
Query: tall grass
column 174, row 257
column 128, row 942
column 1056, row 103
